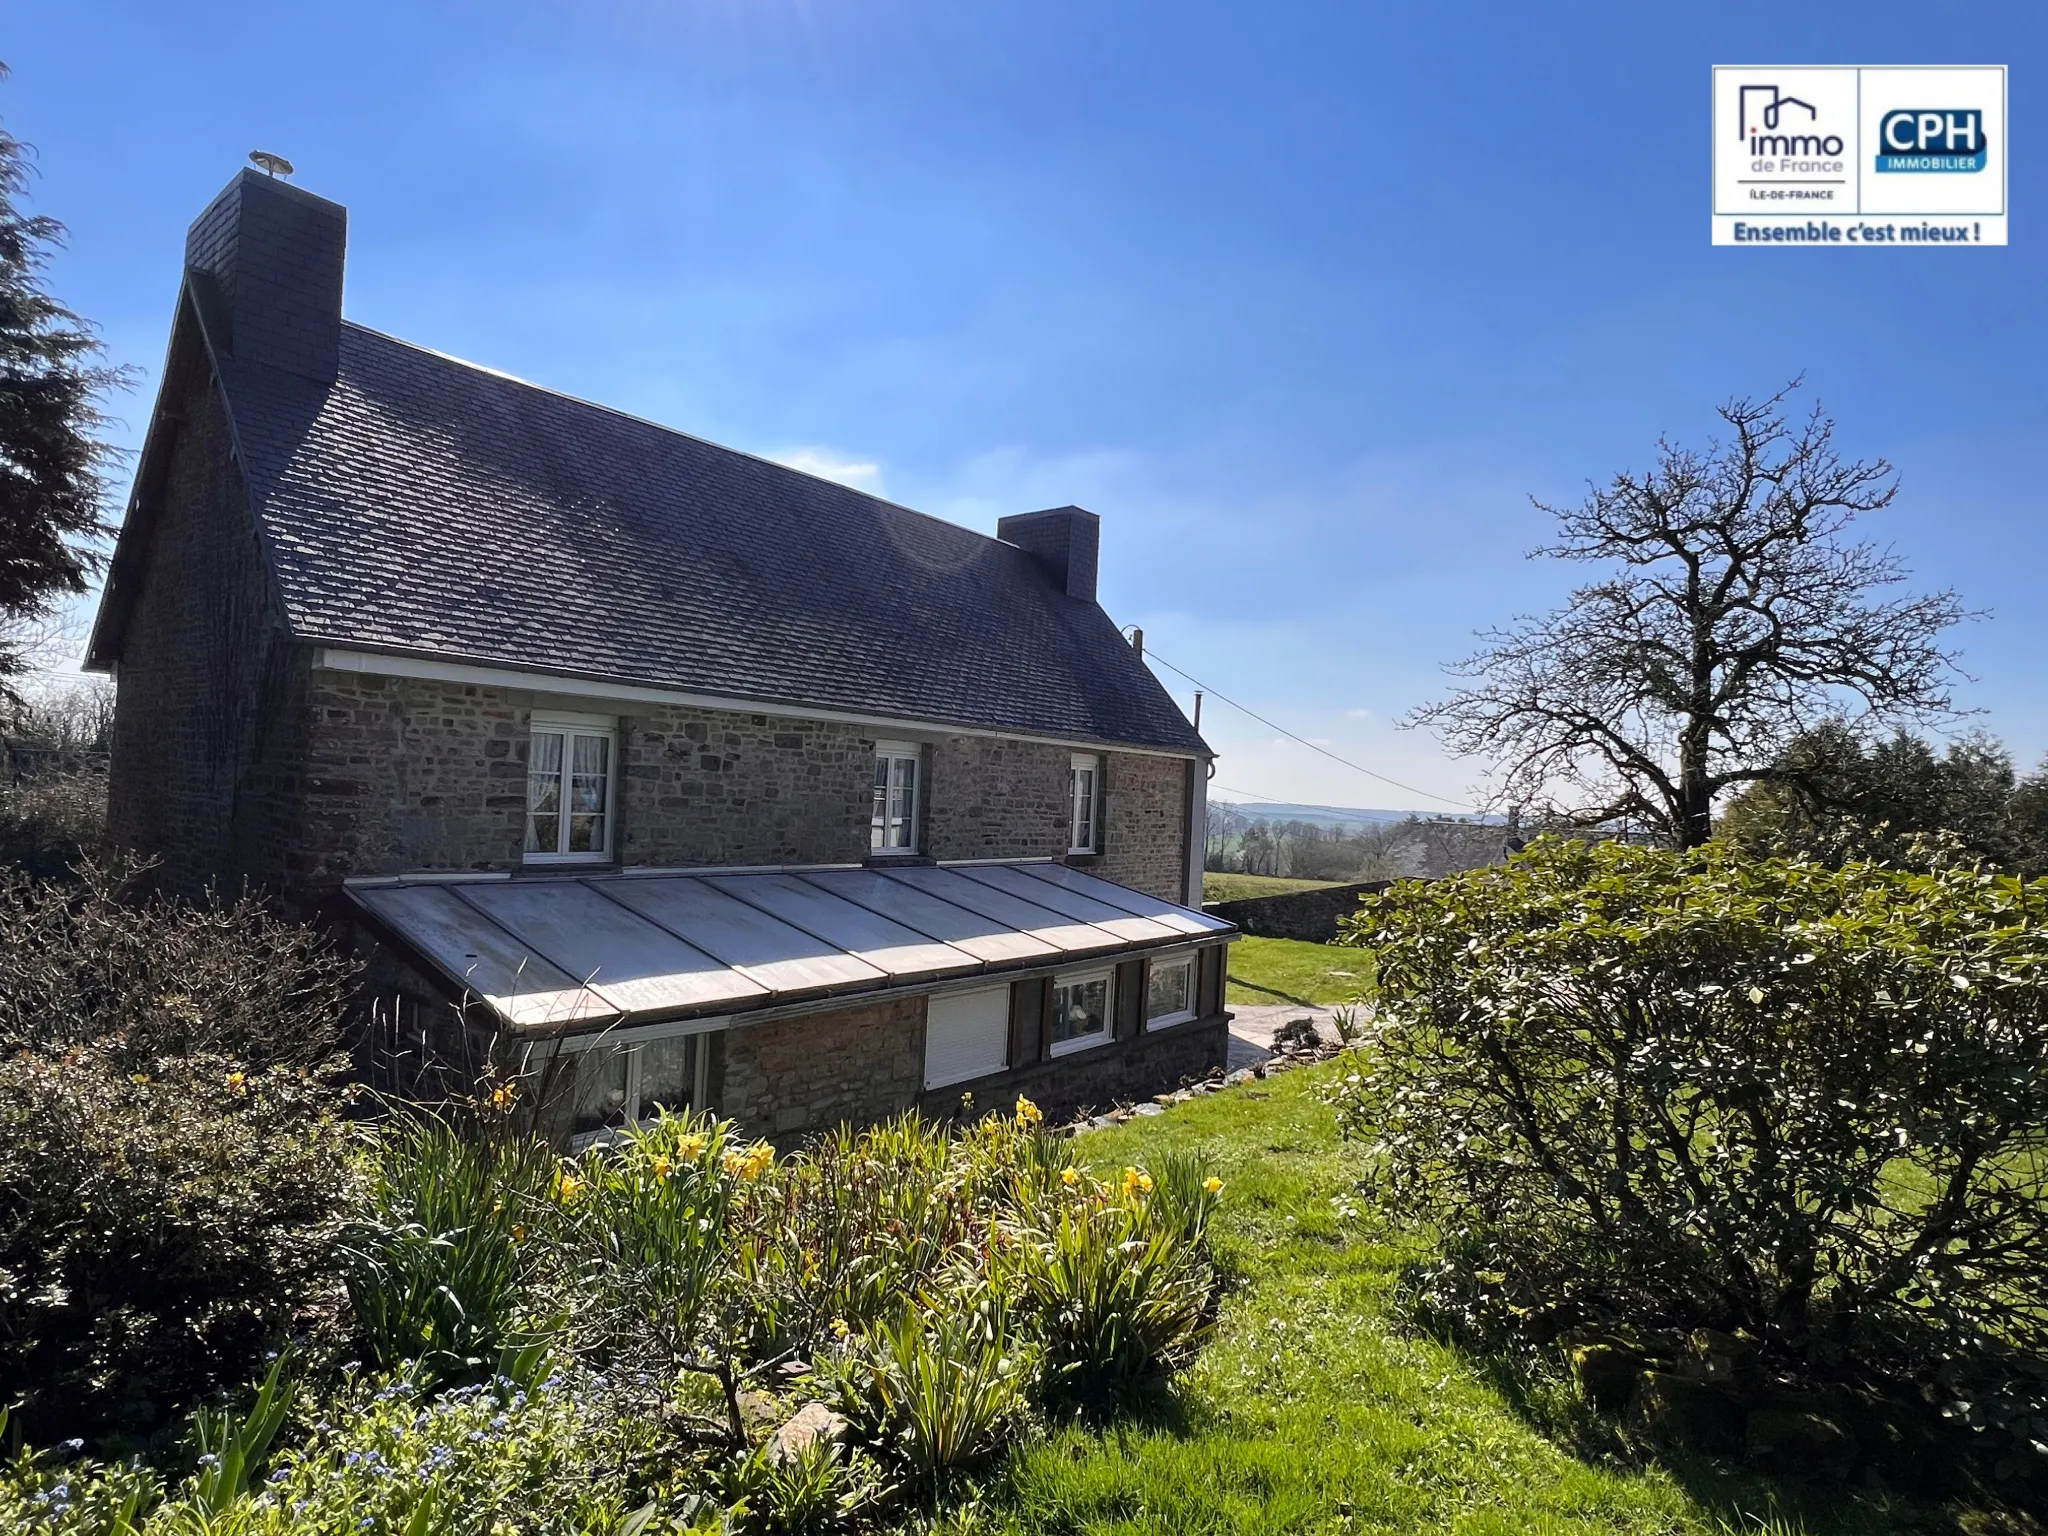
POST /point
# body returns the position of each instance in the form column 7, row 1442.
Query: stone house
column 716, row 783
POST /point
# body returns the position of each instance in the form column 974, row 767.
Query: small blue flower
column 279, row 1475
column 209, row 1460
column 74, row 1445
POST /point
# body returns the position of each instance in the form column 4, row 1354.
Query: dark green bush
column 158, row 1228
column 1689, row 1090
column 173, row 1163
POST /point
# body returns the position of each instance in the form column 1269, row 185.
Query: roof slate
column 425, row 505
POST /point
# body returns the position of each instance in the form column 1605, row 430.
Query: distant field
column 1244, row 887
column 1291, row 971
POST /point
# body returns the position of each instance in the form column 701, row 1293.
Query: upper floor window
column 1084, row 798
column 570, row 786
column 893, row 826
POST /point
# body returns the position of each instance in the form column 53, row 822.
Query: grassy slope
column 1217, row 887
column 1291, row 971
column 1311, row 1411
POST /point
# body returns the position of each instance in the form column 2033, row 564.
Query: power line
column 1152, row 655
column 1254, row 795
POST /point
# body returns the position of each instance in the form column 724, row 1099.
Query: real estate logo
column 1931, row 141
column 1859, row 155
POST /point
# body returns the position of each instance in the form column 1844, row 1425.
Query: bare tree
column 1736, row 614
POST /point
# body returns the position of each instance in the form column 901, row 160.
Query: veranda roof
column 635, row 948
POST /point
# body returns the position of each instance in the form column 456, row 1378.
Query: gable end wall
column 207, row 741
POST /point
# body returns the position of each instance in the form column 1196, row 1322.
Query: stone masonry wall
column 410, row 774
column 811, row 1072
column 207, row 727
column 407, row 774
column 992, row 799
column 709, row 787
column 1145, row 823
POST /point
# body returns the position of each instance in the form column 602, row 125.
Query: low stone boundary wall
column 1310, row 915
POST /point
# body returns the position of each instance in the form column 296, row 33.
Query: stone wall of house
column 1145, row 823
column 993, row 799
column 412, row 774
column 204, row 770
column 706, row 786
column 793, row 1076
column 408, row 774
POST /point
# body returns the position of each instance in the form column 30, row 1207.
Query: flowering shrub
column 586, row 1344
column 1637, row 1087
column 379, row 1456
column 1111, row 1277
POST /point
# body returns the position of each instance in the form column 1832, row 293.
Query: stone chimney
column 1065, row 541
column 266, row 259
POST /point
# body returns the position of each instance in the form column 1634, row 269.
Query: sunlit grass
column 1292, row 971
column 1314, row 1411
column 1217, row 887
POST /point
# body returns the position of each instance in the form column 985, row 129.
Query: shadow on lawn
column 1274, row 992
column 1741, row 1499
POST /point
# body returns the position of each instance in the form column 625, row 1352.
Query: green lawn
column 1312, row 1411
column 1242, row 887
column 1292, row 971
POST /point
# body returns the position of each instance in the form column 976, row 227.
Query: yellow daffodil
column 1213, row 1186
column 503, row 1095
column 839, row 1328
column 690, row 1148
column 750, row 1164
column 1145, row 1183
column 663, row 1167
column 1070, row 1177
column 567, row 1186
column 1028, row 1113
column 518, row 1234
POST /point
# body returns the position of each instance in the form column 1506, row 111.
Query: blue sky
column 1305, row 300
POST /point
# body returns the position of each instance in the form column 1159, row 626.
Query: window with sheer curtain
column 570, row 786
column 892, row 828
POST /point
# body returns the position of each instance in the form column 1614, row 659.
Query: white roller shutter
column 966, row 1035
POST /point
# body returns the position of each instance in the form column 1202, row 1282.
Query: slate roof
column 426, row 505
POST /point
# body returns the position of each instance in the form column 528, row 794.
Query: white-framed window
column 571, row 787
column 1081, row 1010
column 966, row 1035
column 616, row 1080
column 1169, row 991
column 1084, row 803
column 893, row 826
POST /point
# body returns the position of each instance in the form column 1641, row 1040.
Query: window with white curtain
column 1084, row 802
column 571, row 782
column 892, row 828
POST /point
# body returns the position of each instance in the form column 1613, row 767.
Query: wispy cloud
column 861, row 474
column 1358, row 714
